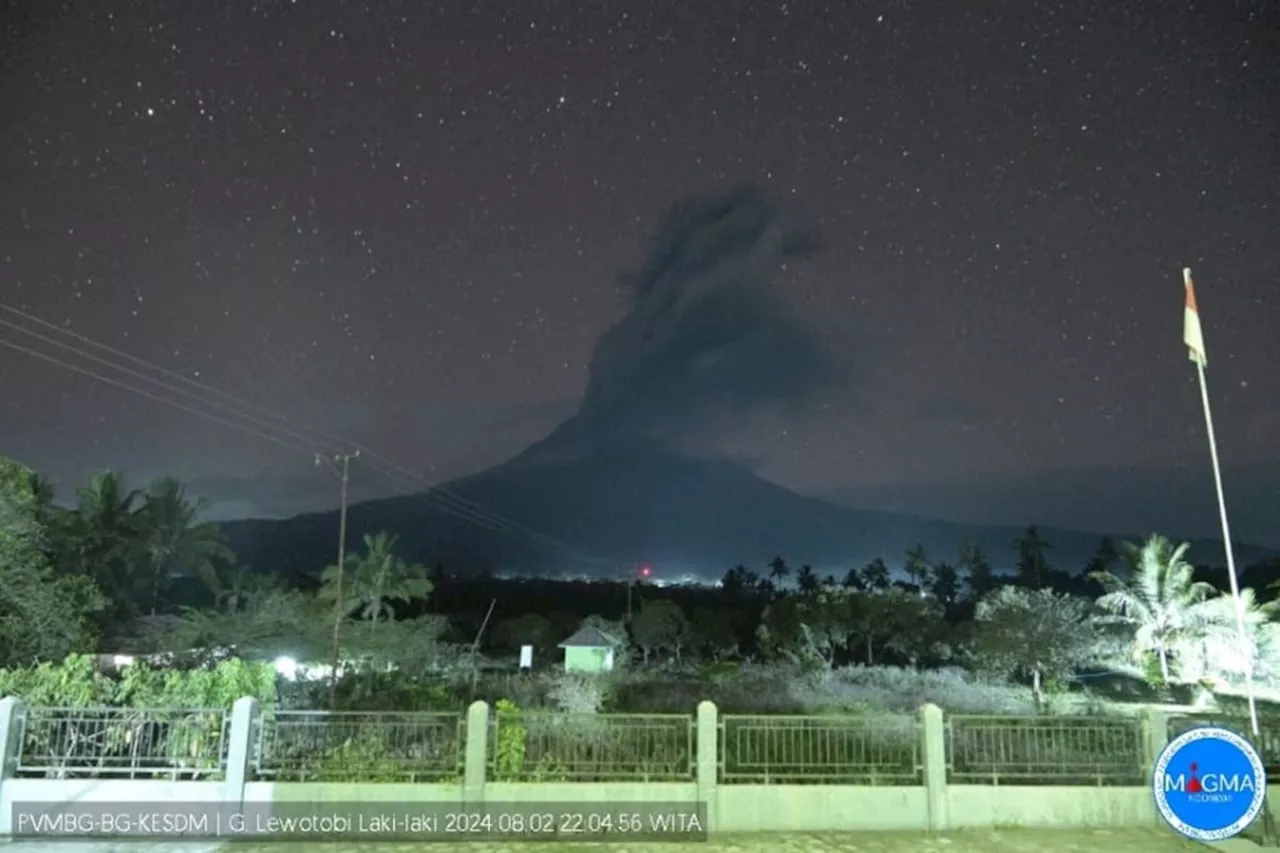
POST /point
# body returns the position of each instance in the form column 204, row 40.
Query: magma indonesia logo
column 1209, row 783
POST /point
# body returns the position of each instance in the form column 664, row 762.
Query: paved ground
column 974, row 841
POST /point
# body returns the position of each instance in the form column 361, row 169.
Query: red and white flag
column 1192, row 335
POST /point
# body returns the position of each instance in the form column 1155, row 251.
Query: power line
column 437, row 497
column 447, row 496
column 108, row 380
column 186, row 380
column 166, row 385
column 440, row 502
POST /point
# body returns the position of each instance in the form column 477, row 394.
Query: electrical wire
column 108, row 380
column 266, row 415
column 165, row 385
column 436, row 497
column 171, row 374
column 440, row 502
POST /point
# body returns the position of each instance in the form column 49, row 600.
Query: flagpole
column 1246, row 647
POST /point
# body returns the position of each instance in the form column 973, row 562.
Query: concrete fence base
column 934, row 805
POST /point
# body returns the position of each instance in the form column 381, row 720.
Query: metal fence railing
column 549, row 746
column 543, row 746
column 1045, row 750
column 131, row 743
column 342, row 746
column 813, row 750
column 1268, row 743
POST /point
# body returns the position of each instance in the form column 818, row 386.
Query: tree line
column 136, row 569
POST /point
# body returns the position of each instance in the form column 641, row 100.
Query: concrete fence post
column 12, row 713
column 933, row 755
column 241, row 737
column 475, row 753
column 707, row 760
column 1153, row 735
column 1153, row 725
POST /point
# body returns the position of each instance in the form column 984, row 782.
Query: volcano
column 570, row 506
column 706, row 338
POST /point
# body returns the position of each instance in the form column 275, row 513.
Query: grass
column 772, row 689
column 752, row 688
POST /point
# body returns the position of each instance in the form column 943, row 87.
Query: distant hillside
column 622, row 504
column 1177, row 501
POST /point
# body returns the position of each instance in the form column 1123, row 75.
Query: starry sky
column 404, row 223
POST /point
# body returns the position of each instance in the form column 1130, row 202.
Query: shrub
column 757, row 690
column 76, row 682
column 527, row 690
column 721, row 670
column 365, row 758
column 509, row 747
column 793, row 689
column 579, row 694
column 163, row 718
column 903, row 690
column 638, row 695
column 383, row 691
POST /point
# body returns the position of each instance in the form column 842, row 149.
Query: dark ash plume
column 704, row 335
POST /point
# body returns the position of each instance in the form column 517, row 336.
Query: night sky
column 405, row 223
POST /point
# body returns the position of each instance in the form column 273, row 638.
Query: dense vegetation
column 122, row 570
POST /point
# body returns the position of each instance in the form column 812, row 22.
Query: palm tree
column 1105, row 558
column 1032, row 564
column 43, row 493
column 377, row 578
column 51, row 518
column 778, row 569
column 1161, row 603
column 1220, row 642
column 946, row 583
column 807, row 579
column 239, row 587
column 978, row 568
column 917, row 567
column 174, row 540
column 99, row 534
column 734, row 582
column 275, row 620
column 875, row 575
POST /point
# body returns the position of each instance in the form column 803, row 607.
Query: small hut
column 589, row 650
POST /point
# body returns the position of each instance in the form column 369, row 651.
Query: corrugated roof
column 589, row 637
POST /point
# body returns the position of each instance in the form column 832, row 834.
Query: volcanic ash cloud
column 706, row 334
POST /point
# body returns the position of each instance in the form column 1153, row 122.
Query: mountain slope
column 635, row 502
column 1177, row 501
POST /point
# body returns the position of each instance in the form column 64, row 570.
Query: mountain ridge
column 1179, row 501
column 621, row 504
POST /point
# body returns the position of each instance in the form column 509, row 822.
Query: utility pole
column 627, row 578
column 340, row 464
column 632, row 577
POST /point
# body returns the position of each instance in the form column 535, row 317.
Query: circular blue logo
column 1209, row 783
